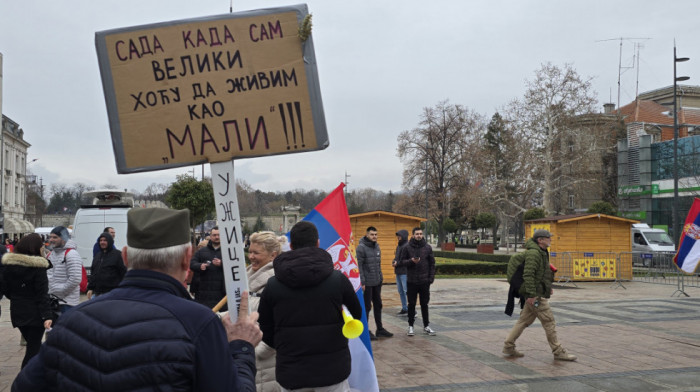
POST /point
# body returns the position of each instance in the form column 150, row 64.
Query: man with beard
column 369, row 262
column 206, row 264
column 417, row 257
column 107, row 269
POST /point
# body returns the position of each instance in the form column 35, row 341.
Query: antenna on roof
column 620, row 67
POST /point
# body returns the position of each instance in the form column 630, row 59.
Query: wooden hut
column 586, row 246
column 387, row 224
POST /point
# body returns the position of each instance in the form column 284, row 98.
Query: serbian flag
column 331, row 219
column 688, row 254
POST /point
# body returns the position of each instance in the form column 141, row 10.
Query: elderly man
column 536, row 288
column 147, row 334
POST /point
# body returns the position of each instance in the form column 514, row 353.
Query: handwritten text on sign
column 211, row 90
column 229, row 219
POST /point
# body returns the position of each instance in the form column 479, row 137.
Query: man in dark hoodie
column 400, row 270
column 417, row 257
column 107, row 269
column 300, row 315
column 369, row 262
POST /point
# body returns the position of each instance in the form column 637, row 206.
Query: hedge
column 471, row 269
column 472, row 256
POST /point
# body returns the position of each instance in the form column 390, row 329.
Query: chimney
column 608, row 108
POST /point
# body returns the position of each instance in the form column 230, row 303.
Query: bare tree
column 548, row 114
column 433, row 153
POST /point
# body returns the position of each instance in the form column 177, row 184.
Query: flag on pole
column 688, row 254
column 331, row 219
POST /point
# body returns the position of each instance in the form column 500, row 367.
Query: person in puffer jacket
column 107, row 269
column 148, row 334
column 369, row 262
column 67, row 271
column 417, row 257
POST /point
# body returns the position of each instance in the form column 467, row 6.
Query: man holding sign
column 147, row 333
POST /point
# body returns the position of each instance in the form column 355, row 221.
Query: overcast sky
column 380, row 63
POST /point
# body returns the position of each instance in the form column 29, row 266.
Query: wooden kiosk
column 387, row 224
column 586, row 246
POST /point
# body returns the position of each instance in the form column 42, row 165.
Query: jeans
column 413, row 291
column 401, row 287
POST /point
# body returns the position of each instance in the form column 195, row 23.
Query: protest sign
column 211, row 89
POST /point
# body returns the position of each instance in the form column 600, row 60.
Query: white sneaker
column 410, row 331
column 429, row 331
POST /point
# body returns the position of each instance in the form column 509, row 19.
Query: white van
column 99, row 209
column 648, row 240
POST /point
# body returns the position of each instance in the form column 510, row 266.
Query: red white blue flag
column 688, row 254
column 331, row 219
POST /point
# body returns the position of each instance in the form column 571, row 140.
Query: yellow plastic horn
column 352, row 328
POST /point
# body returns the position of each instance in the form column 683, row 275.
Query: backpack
column 84, row 278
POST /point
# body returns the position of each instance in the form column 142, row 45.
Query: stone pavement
column 636, row 338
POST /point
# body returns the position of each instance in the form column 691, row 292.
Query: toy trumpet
column 352, row 328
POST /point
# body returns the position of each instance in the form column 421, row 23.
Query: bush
column 472, row 256
column 471, row 269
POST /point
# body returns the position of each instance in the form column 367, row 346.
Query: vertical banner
column 229, row 220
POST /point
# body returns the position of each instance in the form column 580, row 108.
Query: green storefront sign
column 636, row 215
column 638, row 190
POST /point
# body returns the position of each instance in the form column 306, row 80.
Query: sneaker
column 410, row 331
column 429, row 331
column 371, row 336
column 512, row 352
column 402, row 312
column 564, row 356
column 383, row 333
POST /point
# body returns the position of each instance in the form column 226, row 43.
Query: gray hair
column 165, row 259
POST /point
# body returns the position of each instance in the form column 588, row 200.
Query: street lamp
column 676, row 79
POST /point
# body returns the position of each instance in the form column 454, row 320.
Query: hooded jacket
column 107, row 269
column 300, row 316
column 400, row 269
column 369, row 261
column 25, row 283
column 66, row 273
column 423, row 271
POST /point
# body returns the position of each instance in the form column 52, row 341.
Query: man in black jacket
column 147, row 334
column 300, row 315
column 206, row 265
column 417, row 257
column 107, row 269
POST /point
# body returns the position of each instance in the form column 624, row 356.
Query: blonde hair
column 268, row 240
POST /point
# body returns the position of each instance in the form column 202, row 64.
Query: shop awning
column 17, row 226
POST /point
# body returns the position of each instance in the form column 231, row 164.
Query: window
column 571, row 201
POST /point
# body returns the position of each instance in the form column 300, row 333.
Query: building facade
column 13, row 179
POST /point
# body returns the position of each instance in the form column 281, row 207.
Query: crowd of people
column 151, row 333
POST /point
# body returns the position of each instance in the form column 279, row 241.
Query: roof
column 575, row 217
column 379, row 213
column 652, row 112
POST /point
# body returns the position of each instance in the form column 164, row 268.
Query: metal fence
column 655, row 268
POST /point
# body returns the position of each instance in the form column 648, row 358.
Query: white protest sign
column 228, row 215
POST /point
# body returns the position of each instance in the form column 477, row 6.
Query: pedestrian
column 264, row 247
column 109, row 230
column 369, row 262
column 209, row 272
column 400, row 270
column 9, row 246
column 147, row 334
column 107, row 269
column 66, row 272
column 25, row 284
column 300, row 315
column 417, row 257
column 536, row 288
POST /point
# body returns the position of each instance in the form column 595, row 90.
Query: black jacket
column 300, row 316
column 107, row 269
column 211, row 284
column 145, row 335
column 400, row 269
column 423, row 271
column 25, row 283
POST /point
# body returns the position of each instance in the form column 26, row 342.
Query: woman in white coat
column 264, row 247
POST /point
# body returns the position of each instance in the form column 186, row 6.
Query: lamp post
column 676, row 79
